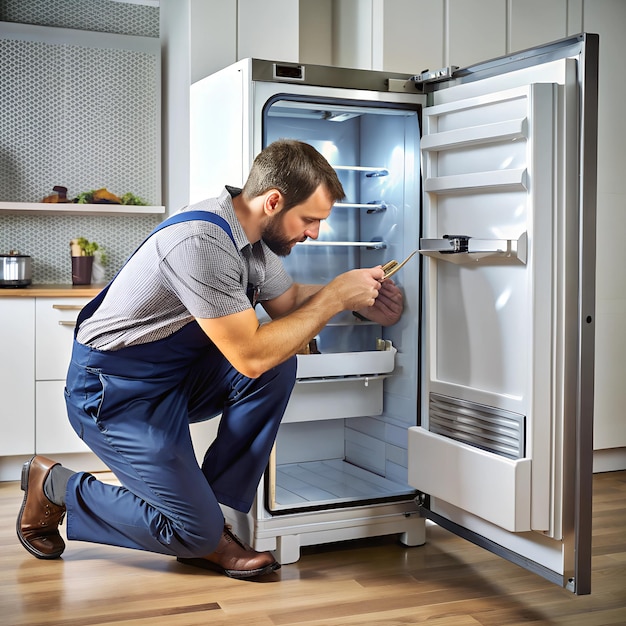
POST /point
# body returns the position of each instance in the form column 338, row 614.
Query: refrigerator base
column 286, row 534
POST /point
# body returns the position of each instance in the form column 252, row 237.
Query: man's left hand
column 387, row 309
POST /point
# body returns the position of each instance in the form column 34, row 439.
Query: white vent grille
column 489, row 428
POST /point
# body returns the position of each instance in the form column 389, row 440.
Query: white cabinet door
column 56, row 320
column 17, row 369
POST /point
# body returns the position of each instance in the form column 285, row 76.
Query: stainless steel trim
column 326, row 76
column 583, row 488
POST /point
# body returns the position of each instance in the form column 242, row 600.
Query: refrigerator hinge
column 434, row 76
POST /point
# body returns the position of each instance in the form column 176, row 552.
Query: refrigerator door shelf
column 462, row 249
column 488, row 485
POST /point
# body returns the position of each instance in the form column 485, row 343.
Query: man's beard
column 274, row 237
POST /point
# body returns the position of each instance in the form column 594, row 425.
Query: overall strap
column 186, row 216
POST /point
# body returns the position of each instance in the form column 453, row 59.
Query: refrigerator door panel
column 508, row 159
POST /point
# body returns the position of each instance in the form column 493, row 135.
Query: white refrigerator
column 475, row 411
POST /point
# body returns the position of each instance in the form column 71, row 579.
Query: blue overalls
column 133, row 407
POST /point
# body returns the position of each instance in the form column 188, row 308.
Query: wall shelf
column 45, row 208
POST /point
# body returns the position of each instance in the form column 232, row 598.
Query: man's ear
column 273, row 202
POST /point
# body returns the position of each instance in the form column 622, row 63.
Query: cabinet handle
column 68, row 307
column 67, row 323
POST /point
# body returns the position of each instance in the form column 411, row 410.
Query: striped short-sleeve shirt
column 185, row 271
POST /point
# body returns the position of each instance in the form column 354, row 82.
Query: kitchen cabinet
column 17, row 367
column 36, row 338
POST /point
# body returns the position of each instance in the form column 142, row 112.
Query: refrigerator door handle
column 467, row 249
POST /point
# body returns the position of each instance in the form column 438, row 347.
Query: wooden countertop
column 51, row 291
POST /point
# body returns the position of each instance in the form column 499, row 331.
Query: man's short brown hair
column 296, row 169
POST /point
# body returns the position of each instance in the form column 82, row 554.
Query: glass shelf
column 370, row 172
column 373, row 245
column 370, row 207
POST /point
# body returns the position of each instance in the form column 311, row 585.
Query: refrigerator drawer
column 335, row 398
column 490, row 486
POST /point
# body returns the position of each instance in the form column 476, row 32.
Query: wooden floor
column 447, row 582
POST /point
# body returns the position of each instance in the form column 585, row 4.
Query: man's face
column 283, row 230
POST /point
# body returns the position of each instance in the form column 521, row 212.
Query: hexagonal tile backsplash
column 80, row 117
column 46, row 238
column 83, row 118
column 97, row 15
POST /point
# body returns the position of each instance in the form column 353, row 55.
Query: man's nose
column 313, row 233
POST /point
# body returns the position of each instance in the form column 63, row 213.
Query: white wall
column 316, row 36
column 608, row 18
column 224, row 32
column 213, row 36
column 175, row 18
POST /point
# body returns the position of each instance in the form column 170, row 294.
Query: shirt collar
column 225, row 201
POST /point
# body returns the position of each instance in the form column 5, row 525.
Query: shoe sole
column 231, row 573
column 30, row 548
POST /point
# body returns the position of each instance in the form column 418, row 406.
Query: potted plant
column 82, row 252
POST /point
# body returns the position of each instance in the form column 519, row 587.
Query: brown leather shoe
column 235, row 558
column 39, row 519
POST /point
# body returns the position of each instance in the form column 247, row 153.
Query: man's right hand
column 357, row 289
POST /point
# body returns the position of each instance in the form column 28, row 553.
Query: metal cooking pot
column 15, row 269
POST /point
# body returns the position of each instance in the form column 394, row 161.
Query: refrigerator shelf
column 370, row 172
column 372, row 245
column 370, row 207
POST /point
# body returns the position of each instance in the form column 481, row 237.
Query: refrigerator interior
column 343, row 439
